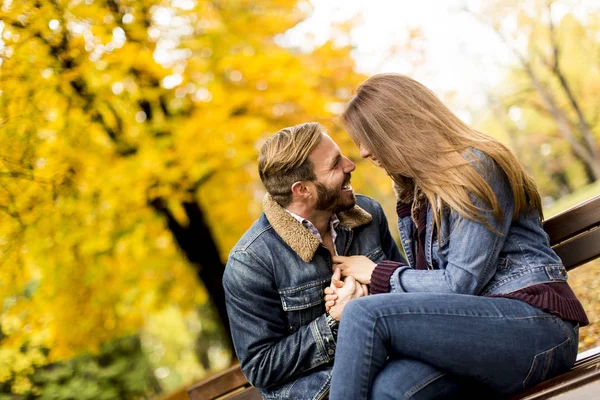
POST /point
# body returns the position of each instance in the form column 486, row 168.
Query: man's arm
column 269, row 352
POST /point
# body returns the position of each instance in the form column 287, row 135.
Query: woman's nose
column 364, row 152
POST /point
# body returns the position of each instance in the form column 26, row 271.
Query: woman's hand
column 360, row 267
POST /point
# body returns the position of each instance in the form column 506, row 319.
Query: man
column 276, row 274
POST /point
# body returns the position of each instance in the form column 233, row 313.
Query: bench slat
column 573, row 221
column 215, row 386
column 580, row 250
column 250, row 393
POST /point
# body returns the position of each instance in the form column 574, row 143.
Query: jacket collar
column 295, row 235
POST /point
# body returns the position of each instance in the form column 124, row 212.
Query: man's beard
column 333, row 199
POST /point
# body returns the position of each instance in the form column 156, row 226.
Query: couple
column 480, row 303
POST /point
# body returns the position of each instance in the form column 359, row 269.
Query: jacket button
column 330, row 351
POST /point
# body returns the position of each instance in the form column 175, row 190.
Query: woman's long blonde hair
column 417, row 138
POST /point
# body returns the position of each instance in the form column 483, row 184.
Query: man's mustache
column 347, row 180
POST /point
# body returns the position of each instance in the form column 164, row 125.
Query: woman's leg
column 503, row 343
column 422, row 381
column 404, row 378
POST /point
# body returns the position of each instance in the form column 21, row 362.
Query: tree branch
column 555, row 68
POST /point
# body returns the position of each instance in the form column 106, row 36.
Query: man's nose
column 349, row 165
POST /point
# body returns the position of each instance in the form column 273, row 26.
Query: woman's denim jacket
column 469, row 258
column 274, row 282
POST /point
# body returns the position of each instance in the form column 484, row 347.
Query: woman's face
column 365, row 152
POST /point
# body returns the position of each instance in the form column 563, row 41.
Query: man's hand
column 360, row 267
column 331, row 291
column 330, row 298
column 331, row 294
column 338, row 297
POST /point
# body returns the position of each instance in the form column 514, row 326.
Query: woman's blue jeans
column 433, row 345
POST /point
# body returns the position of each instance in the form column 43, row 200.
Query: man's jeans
column 430, row 345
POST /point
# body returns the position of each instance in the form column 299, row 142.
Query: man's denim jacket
column 468, row 258
column 274, row 282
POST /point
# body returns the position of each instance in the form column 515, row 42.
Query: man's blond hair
column 283, row 159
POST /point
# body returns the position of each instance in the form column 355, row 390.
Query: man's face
column 333, row 172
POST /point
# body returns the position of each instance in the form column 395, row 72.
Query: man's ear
column 299, row 189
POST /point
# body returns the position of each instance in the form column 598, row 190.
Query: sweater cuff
column 380, row 278
column 403, row 209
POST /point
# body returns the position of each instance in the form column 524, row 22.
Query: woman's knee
column 357, row 309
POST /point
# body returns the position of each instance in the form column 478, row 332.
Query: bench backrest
column 574, row 235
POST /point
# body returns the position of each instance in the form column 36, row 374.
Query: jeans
column 433, row 345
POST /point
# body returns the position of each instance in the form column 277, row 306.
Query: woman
column 483, row 299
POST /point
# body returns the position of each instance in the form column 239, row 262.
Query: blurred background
column 129, row 131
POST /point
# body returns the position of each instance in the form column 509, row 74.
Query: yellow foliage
column 103, row 110
column 585, row 281
column 21, row 385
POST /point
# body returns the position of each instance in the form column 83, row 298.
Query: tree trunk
column 200, row 247
column 585, row 150
column 564, row 127
column 556, row 69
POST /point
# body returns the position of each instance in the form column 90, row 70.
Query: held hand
column 360, row 267
column 330, row 298
column 331, row 295
column 331, row 291
column 336, row 279
column 361, row 290
column 345, row 294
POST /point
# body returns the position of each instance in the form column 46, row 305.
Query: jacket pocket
column 503, row 264
column 303, row 304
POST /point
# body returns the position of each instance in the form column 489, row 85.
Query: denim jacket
column 469, row 258
column 274, row 282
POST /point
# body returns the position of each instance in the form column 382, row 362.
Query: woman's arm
column 473, row 249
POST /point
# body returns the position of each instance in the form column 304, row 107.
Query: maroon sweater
column 555, row 297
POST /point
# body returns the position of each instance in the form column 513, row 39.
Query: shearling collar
column 299, row 238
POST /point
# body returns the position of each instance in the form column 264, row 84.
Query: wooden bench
column 574, row 235
column 229, row 384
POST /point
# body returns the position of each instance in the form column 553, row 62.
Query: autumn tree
column 129, row 132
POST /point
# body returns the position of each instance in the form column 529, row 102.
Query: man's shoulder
column 367, row 203
column 248, row 253
column 257, row 230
